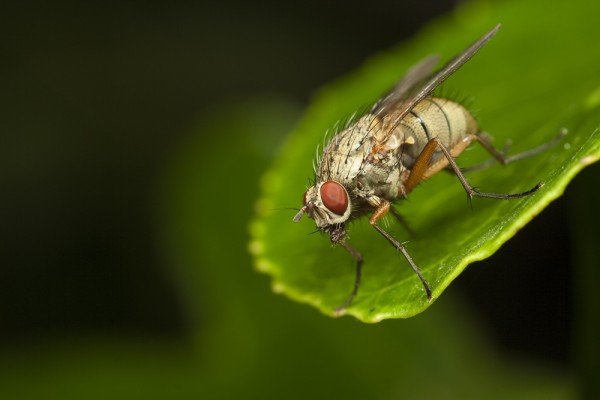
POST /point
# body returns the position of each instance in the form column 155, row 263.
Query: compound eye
column 334, row 197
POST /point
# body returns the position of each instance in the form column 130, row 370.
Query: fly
column 407, row 136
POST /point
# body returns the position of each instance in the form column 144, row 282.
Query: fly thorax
column 381, row 180
column 343, row 157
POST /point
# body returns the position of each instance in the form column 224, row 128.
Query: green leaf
column 241, row 341
column 537, row 75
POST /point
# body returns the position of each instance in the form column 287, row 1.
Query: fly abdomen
column 433, row 117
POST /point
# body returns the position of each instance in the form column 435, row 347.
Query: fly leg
column 502, row 158
column 490, row 161
column 359, row 260
column 421, row 166
column 471, row 191
column 380, row 212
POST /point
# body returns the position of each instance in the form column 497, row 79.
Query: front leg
column 380, row 212
column 357, row 256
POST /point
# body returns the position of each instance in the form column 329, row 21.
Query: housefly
column 406, row 137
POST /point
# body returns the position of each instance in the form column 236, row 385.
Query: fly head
column 328, row 203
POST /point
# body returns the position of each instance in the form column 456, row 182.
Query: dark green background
column 133, row 136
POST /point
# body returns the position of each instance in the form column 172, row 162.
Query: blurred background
column 133, row 135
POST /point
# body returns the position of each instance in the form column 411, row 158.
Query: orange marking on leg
column 443, row 161
column 380, row 212
column 421, row 165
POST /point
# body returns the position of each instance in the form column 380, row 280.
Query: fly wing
column 410, row 95
column 417, row 74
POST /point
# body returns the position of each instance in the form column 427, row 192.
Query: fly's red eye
column 334, row 197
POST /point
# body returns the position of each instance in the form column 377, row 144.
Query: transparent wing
column 418, row 73
column 401, row 104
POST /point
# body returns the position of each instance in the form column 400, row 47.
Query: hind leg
column 422, row 169
column 501, row 156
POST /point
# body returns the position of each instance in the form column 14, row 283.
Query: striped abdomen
column 433, row 117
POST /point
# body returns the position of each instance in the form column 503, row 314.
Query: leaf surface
column 537, row 76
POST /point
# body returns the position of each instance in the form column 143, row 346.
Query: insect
column 407, row 136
